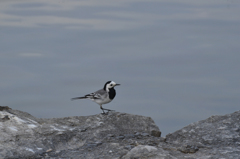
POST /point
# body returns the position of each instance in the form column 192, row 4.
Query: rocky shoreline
column 115, row 136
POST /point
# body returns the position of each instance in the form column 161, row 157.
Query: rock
column 129, row 136
column 110, row 135
column 24, row 136
column 129, row 147
column 148, row 152
column 217, row 136
column 145, row 134
column 120, row 137
column 116, row 135
column 2, row 108
column 156, row 133
column 5, row 118
column 94, row 144
column 141, row 151
column 188, row 149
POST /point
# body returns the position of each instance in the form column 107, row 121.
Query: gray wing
column 97, row 95
column 100, row 94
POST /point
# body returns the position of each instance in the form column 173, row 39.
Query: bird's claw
column 106, row 113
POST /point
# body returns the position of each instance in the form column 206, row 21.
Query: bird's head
column 109, row 85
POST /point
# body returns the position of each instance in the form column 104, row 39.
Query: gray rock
column 128, row 147
column 120, row 137
column 188, row 149
column 24, row 136
column 129, row 136
column 148, row 152
column 217, row 136
column 110, row 135
column 145, row 134
column 115, row 136
column 156, row 133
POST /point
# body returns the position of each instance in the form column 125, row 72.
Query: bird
column 102, row 96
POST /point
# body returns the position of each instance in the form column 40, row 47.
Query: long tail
column 78, row 98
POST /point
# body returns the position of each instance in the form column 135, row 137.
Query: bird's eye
column 111, row 85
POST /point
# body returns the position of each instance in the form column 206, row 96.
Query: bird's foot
column 108, row 110
column 104, row 113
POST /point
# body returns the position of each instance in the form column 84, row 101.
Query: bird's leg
column 106, row 109
column 102, row 109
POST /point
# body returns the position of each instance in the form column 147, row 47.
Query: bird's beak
column 117, row 85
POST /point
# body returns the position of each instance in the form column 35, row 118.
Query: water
column 176, row 61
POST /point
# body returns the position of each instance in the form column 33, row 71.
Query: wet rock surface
column 116, row 135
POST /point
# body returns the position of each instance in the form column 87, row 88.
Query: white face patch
column 110, row 85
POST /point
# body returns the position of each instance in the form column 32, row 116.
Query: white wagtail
column 102, row 96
